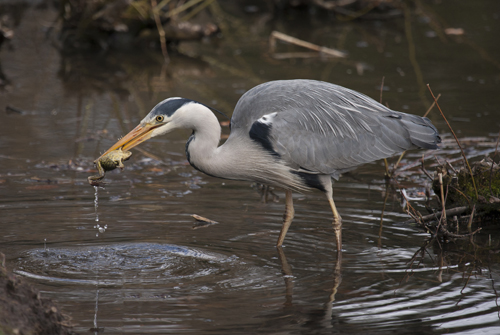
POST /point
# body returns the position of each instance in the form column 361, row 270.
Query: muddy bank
column 24, row 311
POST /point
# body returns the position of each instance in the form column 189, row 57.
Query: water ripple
column 139, row 263
column 442, row 307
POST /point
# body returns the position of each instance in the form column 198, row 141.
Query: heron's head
column 168, row 115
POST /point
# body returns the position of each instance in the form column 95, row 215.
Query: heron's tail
column 422, row 132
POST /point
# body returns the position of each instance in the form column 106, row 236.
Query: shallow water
column 153, row 270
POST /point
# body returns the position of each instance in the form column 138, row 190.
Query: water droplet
column 96, row 202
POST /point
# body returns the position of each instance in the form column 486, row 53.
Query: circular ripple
column 142, row 263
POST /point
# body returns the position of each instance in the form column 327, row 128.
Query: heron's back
column 325, row 128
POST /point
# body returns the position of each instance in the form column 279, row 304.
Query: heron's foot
column 265, row 191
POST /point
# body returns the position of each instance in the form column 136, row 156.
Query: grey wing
column 325, row 128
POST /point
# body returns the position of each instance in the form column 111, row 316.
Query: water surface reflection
column 150, row 272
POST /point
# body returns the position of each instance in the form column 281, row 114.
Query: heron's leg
column 287, row 217
column 265, row 190
column 337, row 220
column 287, row 275
column 337, row 224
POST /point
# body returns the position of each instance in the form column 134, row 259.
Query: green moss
column 462, row 190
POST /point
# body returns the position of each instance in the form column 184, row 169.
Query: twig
column 399, row 160
column 162, row 4
column 409, row 206
column 161, row 31
column 287, row 38
column 447, row 233
column 440, row 175
column 182, row 8
column 196, row 10
column 469, row 225
column 451, row 166
column 432, row 105
column 425, row 171
column 449, row 212
column 456, row 139
column 493, row 164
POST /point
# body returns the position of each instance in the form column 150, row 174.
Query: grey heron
column 294, row 134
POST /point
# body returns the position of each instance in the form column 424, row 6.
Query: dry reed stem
column 161, row 31
column 432, row 105
column 287, row 38
column 456, row 139
column 443, row 209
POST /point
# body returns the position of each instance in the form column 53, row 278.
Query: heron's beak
column 135, row 137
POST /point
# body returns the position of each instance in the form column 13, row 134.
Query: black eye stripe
column 169, row 106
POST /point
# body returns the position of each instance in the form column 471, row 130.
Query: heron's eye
column 159, row 118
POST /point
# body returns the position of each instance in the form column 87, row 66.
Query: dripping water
column 101, row 229
column 96, row 202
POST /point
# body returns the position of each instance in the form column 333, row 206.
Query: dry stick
column 451, row 166
column 409, row 206
column 449, row 212
column 161, row 31
column 448, row 234
column 162, row 4
column 469, row 225
column 287, row 38
column 182, row 8
column 432, row 105
column 425, row 171
column 139, row 10
column 456, row 139
column 462, row 193
column 443, row 209
column 493, row 164
column 196, row 10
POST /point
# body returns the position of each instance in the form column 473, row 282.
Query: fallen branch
column 448, row 212
column 452, row 235
column 276, row 35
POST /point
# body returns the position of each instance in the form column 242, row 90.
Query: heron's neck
column 202, row 149
column 239, row 158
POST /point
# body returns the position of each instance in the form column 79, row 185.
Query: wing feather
column 327, row 129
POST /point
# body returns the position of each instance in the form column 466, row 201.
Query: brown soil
column 24, row 312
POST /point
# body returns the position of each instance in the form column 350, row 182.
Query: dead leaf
column 202, row 222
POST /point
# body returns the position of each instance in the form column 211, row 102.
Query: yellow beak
column 135, row 137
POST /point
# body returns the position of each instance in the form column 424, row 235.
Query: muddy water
column 145, row 267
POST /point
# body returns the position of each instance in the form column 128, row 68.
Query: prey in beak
column 118, row 153
column 135, row 137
